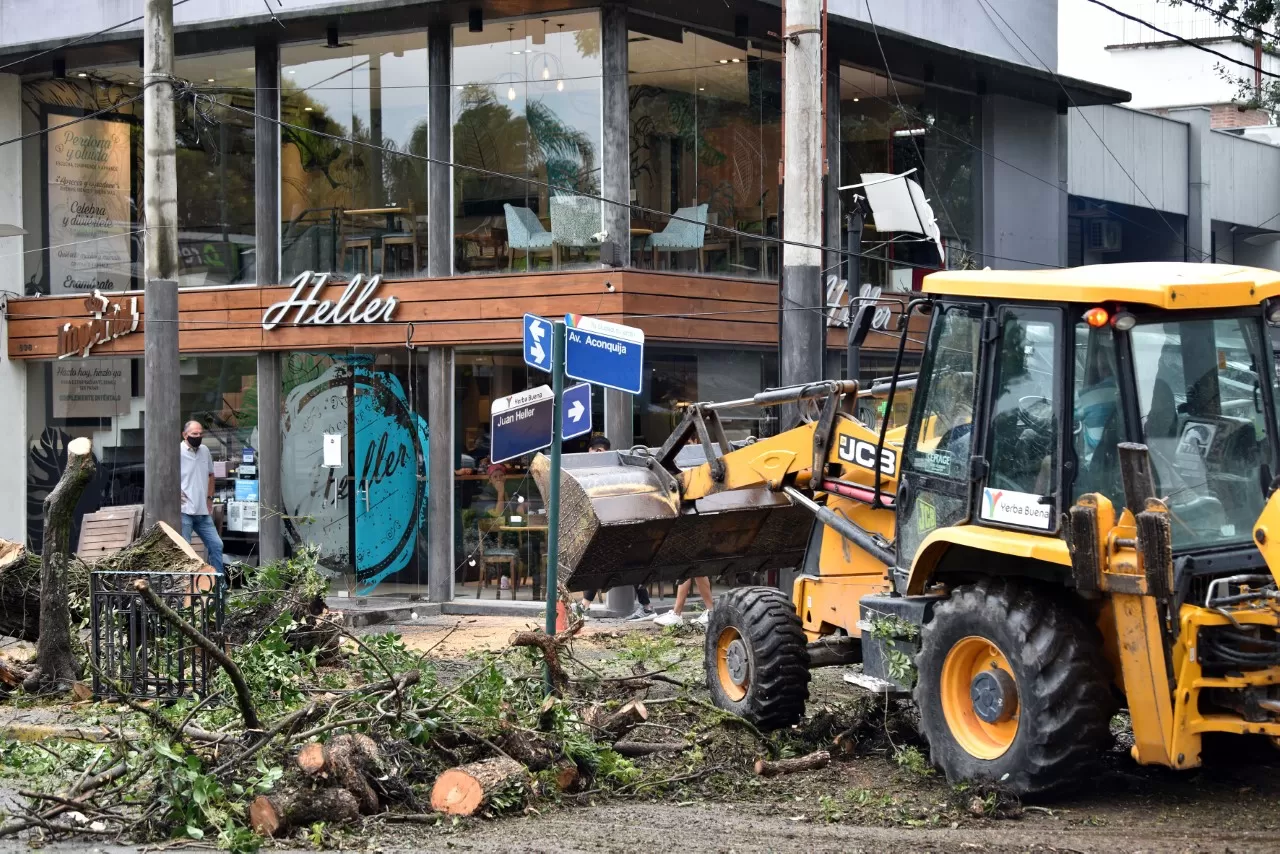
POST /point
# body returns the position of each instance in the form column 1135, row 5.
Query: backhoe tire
column 757, row 657
column 1012, row 688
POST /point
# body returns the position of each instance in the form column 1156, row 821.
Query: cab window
column 1097, row 420
column 942, row 422
column 1022, row 473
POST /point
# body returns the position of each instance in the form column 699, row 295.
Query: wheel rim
column 978, row 683
column 733, row 664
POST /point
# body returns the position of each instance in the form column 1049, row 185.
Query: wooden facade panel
column 453, row 311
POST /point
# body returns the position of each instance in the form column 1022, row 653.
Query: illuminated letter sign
column 110, row 321
column 356, row 305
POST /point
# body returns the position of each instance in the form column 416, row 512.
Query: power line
column 722, row 229
column 80, row 39
column 988, row 9
column 1188, row 42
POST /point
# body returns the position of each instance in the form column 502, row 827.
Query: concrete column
column 440, row 146
column 160, row 191
column 13, row 375
column 1023, row 218
column 833, row 215
column 802, row 323
column 1199, row 209
column 266, row 160
column 619, row 427
column 440, row 466
column 616, row 159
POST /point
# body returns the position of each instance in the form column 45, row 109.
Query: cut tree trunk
column 11, row 675
column 467, row 789
column 56, row 668
column 648, row 748
column 812, row 762
column 160, row 549
column 20, row 589
column 353, row 762
column 532, row 750
column 616, row 724
column 279, row 813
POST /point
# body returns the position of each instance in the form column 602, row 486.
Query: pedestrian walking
column 197, row 493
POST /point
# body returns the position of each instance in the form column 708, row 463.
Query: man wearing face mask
column 197, row 493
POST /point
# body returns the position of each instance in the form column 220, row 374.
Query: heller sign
column 356, row 305
column 110, row 321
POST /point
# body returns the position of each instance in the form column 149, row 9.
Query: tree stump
column 56, row 668
column 812, row 762
column 280, row 812
column 353, row 762
column 467, row 789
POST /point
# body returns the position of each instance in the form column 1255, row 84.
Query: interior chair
column 575, row 222
column 525, row 232
column 493, row 554
column 681, row 235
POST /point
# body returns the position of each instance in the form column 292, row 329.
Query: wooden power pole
column 162, row 492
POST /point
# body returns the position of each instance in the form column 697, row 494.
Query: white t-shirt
column 197, row 465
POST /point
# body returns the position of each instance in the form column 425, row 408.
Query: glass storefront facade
column 705, row 140
column 932, row 130
column 83, row 182
column 353, row 185
column 527, row 105
column 105, row 401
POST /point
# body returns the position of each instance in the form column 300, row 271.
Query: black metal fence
column 136, row 649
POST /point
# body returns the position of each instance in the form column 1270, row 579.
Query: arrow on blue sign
column 537, row 342
column 575, row 411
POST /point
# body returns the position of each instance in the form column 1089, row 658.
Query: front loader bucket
column 622, row 523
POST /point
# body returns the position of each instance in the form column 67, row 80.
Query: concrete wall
column 21, row 21
column 13, row 375
column 1244, row 181
column 1151, row 149
column 967, row 25
column 1177, row 75
column 1024, row 218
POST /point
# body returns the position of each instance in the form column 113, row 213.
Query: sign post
column 553, row 500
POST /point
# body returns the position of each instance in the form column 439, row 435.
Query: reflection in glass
column 705, row 133
column 353, row 194
column 526, row 129
column 102, row 246
column 931, row 130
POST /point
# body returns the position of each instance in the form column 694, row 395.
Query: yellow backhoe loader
column 1080, row 514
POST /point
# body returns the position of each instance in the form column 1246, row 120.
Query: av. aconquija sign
column 357, row 304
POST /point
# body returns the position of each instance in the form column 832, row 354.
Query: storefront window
column 104, row 400
column 362, row 502
column 356, row 204
column 674, row 377
column 527, row 111
column 500, row 521
column 933, row 131
column 83, row 192
column 706, row 120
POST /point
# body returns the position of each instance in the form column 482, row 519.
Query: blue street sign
column 537, row 342
column 520, row 424
column 608, row 354
column 575, row 411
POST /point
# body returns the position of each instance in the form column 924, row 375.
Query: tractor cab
column 1021, row 405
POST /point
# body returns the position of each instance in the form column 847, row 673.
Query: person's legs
column 186, row 527
column 704, row 590
column 642, row 595
column 674, row 616
column 208, row 534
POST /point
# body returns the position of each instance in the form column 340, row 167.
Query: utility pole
column 162, row 491
column 802, row 321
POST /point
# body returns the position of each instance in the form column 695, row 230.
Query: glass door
column 363, row 503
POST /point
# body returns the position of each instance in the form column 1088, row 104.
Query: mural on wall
column 383, row 496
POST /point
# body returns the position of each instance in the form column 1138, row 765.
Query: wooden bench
column 108, row 531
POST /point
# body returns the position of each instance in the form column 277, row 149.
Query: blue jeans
column 203, row 525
